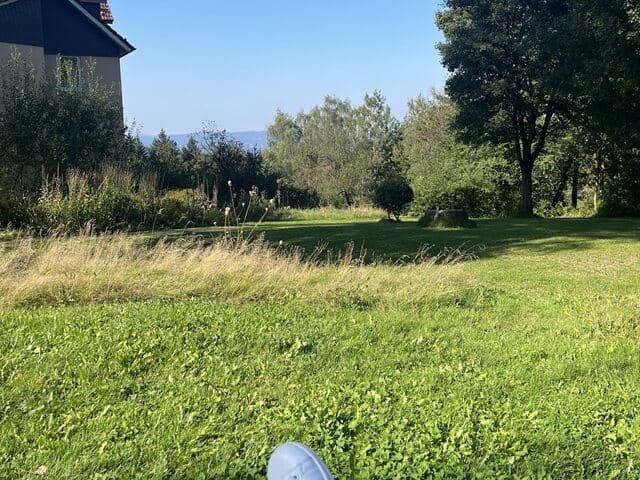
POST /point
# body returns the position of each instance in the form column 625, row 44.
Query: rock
column 431, row 214
column 459, row 215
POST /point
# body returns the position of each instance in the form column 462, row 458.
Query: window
column 69, row 73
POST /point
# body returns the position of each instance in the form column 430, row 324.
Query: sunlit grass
column 95, row 269
column 124, row 358
column 332, row 214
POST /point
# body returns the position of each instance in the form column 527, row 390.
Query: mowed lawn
column 521, row 363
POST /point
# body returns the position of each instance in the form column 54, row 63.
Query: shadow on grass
column 395, row 241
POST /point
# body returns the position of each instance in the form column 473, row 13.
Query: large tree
column 335, row 149
column 609, row 101
column 512, row 65
column 522, row 70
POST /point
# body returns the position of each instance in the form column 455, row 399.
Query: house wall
column 106, row 69
column 29, row 54
column 21, row 23
column 41, row 30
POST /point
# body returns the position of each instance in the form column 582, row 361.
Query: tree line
column 540, row 114
column 546, row 76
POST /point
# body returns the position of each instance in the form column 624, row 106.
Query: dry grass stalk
column 93, row 269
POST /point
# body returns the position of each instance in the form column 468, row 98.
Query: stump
column 449, row 218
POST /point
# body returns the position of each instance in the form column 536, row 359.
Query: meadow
column 506, row 351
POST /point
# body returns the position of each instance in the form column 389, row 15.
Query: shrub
column 393, row 194
column 108, row 200
column 114, row 199
column 45, row 128
column 621, row 189
column 185, row 208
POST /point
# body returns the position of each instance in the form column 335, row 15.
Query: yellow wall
column 106, row 69
column 31, row 55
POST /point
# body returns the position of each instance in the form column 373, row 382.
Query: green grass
column 522, row 364
column 492, row 238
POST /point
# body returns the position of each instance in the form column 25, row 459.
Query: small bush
column 108, row 200
column 185, row 208
column 393, row 195
column 13, row 212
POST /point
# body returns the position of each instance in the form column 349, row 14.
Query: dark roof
column 125, row 46
column 106, row 16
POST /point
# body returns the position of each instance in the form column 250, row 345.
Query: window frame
column 69, row 80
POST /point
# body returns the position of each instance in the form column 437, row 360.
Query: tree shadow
column 394, row 242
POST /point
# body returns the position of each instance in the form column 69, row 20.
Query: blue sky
column 237, row 62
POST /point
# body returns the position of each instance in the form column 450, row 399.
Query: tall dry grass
column 92, row 269
column 330, row 214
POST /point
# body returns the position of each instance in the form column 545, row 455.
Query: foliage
column 533, row 73
column 611, row 80
column 45, row 128
column 49, row 131
column 105, row 201
column 135, row 154
column 610, row 116
column 620, row 189
column 393, row 194
column 223, row 159
column 165, row 158
column 446, row 173
column 114, row 199
column 499, row 53
column 334, row 150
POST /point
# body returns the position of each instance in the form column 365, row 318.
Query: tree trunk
column 526, row 191
column 529, row 146
column 526, row 158
column 562, row 185
column 348, row 199
column 575, row 184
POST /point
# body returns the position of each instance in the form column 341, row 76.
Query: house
column 64, row 38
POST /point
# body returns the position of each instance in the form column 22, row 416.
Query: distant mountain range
column 248, row 139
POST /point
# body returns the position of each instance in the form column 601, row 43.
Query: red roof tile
column 105, row 12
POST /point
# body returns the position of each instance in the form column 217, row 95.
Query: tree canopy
column 335, row 149
column 523, row 71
